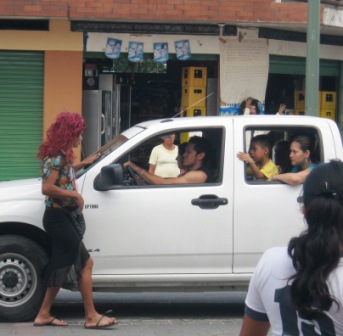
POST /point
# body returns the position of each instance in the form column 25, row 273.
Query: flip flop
column 97, row 326
column 50, row 324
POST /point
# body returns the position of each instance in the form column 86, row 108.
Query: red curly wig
column 61, row 135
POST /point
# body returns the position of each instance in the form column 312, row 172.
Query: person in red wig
column 61, row 197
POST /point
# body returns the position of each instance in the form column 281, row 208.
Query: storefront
column 156, row 88
column 284, row 62
column 41, row 75
column 287, row 75
column 128, row 92
column 73, row 62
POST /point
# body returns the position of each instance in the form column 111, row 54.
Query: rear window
column 280, row 139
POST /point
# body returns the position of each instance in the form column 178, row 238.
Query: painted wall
column 298, row 49
column 62, row 85
column 59, row 37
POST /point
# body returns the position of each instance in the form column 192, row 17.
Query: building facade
column 56, row 55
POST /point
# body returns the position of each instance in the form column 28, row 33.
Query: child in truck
column 261, row 166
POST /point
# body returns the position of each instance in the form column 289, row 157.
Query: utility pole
column 312, row 58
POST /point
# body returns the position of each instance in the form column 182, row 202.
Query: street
column 146, row 314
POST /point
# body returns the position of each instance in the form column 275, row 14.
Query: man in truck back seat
column 197, row 160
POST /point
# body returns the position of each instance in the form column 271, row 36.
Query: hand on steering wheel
column 132, row 174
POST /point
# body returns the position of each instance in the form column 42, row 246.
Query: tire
column 21, row 288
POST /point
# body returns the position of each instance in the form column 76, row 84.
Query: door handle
column 209, row 201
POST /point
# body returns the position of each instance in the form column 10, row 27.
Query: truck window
column 140, row 155
column 279, row 148
column 109, row 147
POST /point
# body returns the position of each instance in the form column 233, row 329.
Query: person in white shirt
column 297, row 290
column 162, row 161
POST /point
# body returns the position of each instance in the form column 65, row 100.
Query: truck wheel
column 21, row 289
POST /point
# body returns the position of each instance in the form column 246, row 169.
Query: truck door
column 266, row 213
column 184, row 230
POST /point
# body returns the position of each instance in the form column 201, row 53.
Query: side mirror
column 111, row 176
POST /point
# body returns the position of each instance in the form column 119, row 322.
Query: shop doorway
column 286, row 84
column 157, row 95
column 281, row 89
column 140, row 91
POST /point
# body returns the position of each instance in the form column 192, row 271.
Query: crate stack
column 299, row 102
column 327, row 104
column 193, row 99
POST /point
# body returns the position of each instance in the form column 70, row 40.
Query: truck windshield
column 112, row 145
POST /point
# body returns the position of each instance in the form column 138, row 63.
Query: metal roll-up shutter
column 289, row 65
column 21, row 113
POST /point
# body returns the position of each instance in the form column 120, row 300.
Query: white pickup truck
column 162, row 237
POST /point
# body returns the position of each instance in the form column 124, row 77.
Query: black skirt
column 67, row 247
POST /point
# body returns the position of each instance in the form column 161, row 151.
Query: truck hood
column 27, row 189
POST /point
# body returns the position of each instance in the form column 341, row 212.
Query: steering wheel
column 133, row 175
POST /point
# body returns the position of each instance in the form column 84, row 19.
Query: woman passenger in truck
column 301, row 150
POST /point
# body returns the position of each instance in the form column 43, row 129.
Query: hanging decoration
column 136, row 51
column 113, row 48
column 161, row 53
column 183, row 50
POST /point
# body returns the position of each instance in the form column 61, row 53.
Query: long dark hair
column 305, row 142
column 317, row 251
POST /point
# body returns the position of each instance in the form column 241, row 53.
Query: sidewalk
column 133, row 327
column 145, row 314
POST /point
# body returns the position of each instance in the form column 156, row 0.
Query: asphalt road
column 146, row 314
